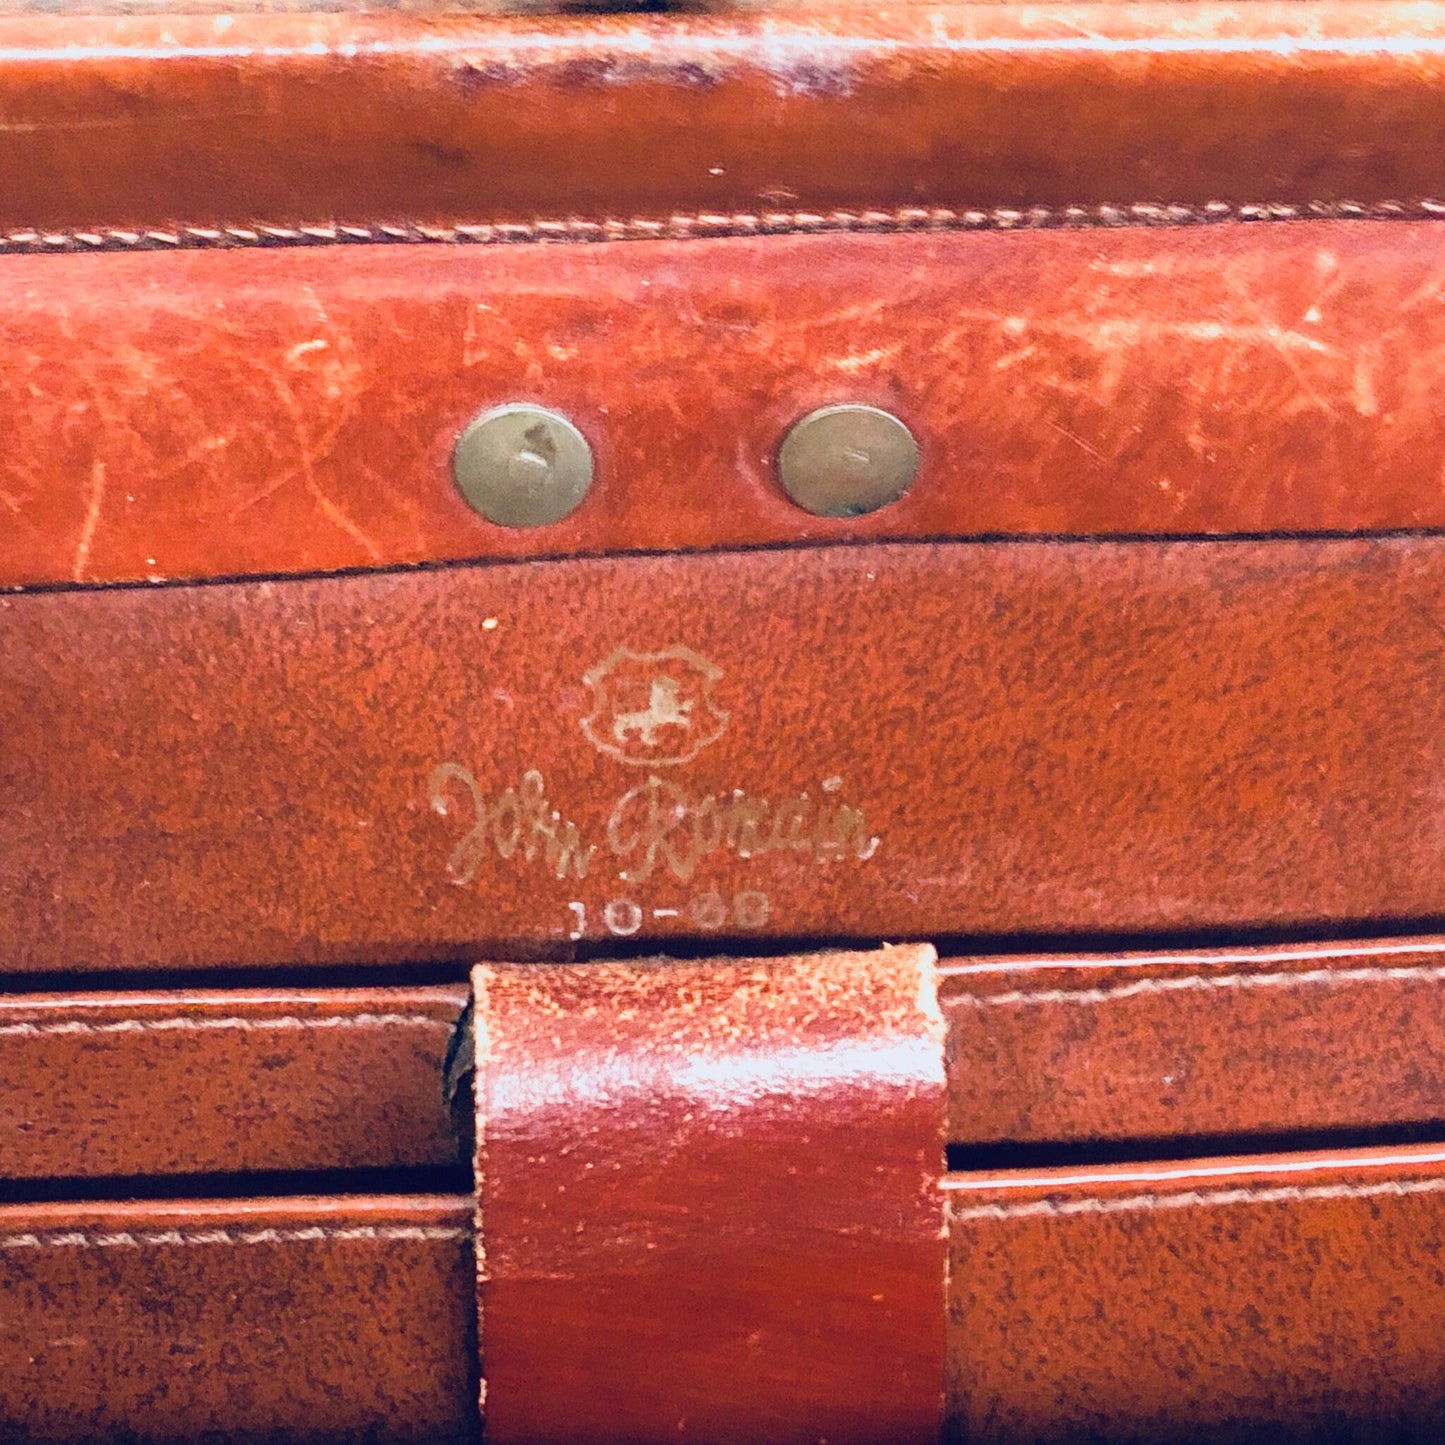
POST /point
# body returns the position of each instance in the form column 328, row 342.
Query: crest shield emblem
column 653, row 709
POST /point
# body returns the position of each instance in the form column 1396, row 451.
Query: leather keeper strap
column 709, row 1199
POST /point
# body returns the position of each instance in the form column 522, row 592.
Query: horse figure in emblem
column 665, row 707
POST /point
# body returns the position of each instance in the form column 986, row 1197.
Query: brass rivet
column 522, row 466
column 842, row 461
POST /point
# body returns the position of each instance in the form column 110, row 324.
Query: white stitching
column 130, row 1239
column 708, row 223
column 1194, row 982
column 183, row 1024
column 1194, row 1198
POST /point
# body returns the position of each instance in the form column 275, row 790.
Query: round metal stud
column 522, row 466
column 842, row 461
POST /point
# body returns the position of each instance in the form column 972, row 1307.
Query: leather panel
column 1314, row 1037
column 205, row 1082
column 1039, row 738
column 299, row 1320
column 1287, row 1298
column 708, row 1200
column 163, row 121
column 183, row 416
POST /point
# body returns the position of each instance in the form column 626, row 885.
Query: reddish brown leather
column 1289, row 1298
column 303, row 1320
column 202, row 120
column 1269, row 1041
column 708, row 1200
column 214, row 415
column 1040, row 737
column 202, row 1082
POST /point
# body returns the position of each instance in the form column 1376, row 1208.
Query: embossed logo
column 672, row 843
column 653, row 709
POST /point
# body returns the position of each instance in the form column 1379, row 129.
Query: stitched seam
column 1195, row 1198
column 143, row 1239
column 1195, row 982
column 202, row 1025
column 711, row 224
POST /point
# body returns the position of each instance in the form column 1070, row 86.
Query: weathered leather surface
column 1340, row 1037
column 301, row 1320
column 707, row 1193
column 206, row 1082
column 175, row 121
column 708, row 1200
column 1039, row 737
column 204, row 415
column 888, row 740
column 1290, row 1298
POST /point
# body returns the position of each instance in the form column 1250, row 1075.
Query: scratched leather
column 891, row 741
column 299, row 1320
column 200, row 1081
column 708, row 1200
column 1292, row 1298
column 1271, row 1041
column 218, row 414
column 167, row 120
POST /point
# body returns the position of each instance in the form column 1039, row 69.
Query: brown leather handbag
column 723, row 726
